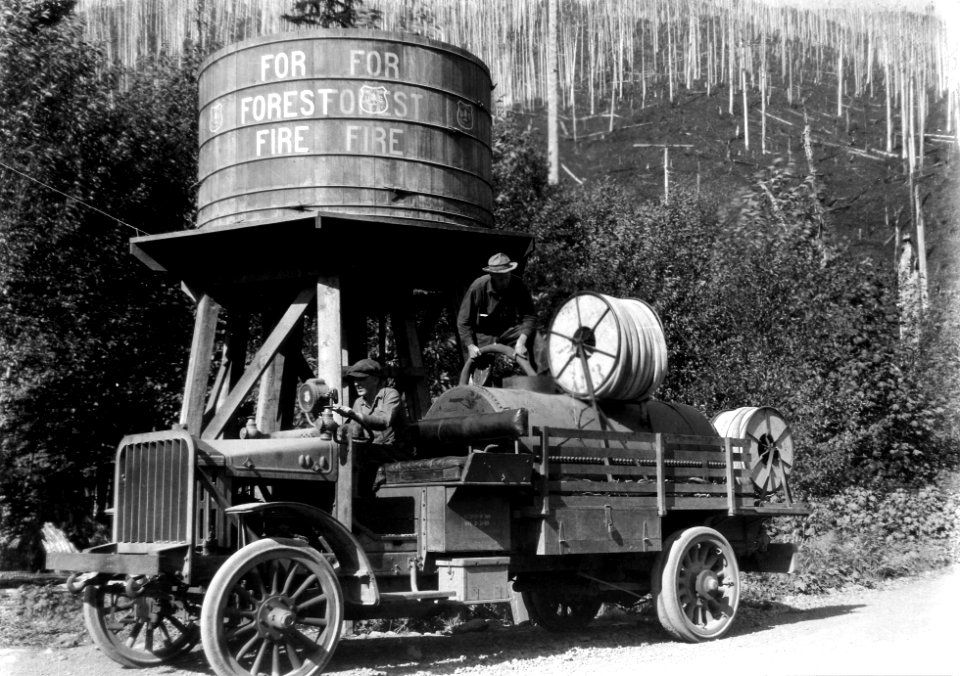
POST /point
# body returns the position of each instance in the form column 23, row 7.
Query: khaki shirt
column 384, row 416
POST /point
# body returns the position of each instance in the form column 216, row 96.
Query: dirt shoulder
column 905, row 627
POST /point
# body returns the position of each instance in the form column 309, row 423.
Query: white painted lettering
column 284, row 140
column 400, row 103
column 265, row 62
column 281, row 68
column 374, row 140
column 416, row 105
column 298, row 64
column 280, row 140
column 299, row 142
column 395, row 135
column 392, row 69
column 355, row 56
column 282, row 65
column 244, row 108
column 289, row 98
column 374, row 64
column 325, row 96
column 262, row 135
column 353, row 133
column 259, row 108
column 347, row 101
column 306, row 100
column 380, row 140
column 273, row 106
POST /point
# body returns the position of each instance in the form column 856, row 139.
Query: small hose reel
column 769, row 455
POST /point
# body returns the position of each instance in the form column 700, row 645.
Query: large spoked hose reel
column 769, row 455
column 600, row 347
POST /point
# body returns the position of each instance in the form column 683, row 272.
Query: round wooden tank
column 354, row 122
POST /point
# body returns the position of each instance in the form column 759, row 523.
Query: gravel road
column 907, row 628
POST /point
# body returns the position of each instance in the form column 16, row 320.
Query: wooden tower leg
column 198, row 368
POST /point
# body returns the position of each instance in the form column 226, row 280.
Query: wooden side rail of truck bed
column 664, row 471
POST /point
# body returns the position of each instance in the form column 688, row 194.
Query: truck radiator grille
column 155, row 488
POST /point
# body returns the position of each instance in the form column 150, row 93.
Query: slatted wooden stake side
column 664, row 471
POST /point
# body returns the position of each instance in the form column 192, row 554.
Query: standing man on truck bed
column 497, row 308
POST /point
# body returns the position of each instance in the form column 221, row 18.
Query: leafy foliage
column 82, row 360
column 333, row 14
column 757, row 311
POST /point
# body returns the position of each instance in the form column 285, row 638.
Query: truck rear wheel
column 274, row 606
column 145, row 630
column 557, row 611
column 699, row 585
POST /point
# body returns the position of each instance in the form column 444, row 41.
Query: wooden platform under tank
column 388, row 252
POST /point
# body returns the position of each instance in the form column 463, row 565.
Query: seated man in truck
column 377, row 407
column 497, row 308
column 378, row 411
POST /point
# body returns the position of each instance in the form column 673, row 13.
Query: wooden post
column 331, row 357
column 731, row 484
column 661, row 487
column 544, row 470
column 198, row 368
column 413, row 381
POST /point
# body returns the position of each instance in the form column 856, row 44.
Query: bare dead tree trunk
column 552, row 117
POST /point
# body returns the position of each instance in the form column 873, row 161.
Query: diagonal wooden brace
column 259, row 363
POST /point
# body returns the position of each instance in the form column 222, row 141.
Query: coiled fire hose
column 603, row 347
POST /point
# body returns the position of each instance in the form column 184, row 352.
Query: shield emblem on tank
column 464, row 115
column 373, row 100
column 216, row 118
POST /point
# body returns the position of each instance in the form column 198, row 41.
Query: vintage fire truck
column 256, row 526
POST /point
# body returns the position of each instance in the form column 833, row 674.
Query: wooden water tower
column 343, row 173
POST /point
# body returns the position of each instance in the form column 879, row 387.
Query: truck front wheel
column 145, row 630
column 275, row 606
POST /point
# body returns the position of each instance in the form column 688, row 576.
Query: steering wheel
column 471, row 374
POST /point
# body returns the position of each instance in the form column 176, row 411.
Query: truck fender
column 352, row 565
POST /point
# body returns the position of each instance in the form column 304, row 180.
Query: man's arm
column 387, row 412
column 467, row 316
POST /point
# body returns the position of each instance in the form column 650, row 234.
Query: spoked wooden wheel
column 699, row 585
column 556, row 611
column 275, row 607
column 148, row 629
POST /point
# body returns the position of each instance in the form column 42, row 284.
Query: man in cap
column 497, row 308
column 377, row 407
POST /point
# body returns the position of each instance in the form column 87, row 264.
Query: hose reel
column 600, row 347
column 769, row 455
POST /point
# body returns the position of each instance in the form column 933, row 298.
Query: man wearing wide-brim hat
column 497, row 308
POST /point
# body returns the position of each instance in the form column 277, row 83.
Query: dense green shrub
column 757, row 311
column 82, row 361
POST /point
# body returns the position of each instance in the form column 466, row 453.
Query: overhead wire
column 71, row 197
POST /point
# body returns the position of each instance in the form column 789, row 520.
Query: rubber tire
column 219, row 655
column 557, row 613
column 675, row 589
column 117, row 650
